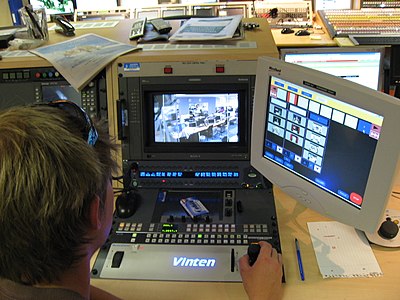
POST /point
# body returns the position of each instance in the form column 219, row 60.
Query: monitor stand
column 388, row 234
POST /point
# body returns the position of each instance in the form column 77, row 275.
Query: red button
column 220, row 69
column 356, row 198
column 167, row 70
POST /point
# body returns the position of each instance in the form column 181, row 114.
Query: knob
column 388, row 229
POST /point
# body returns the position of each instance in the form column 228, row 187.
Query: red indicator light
column 167, row 70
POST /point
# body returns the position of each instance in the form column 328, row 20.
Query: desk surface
column 262, row 37
column 293, row 218
column 318, row 38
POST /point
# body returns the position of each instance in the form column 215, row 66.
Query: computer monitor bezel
column 385, row 162
column 284, row 52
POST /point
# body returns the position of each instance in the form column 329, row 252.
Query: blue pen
column 299, row 261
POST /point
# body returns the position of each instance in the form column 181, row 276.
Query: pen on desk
column 299, row 261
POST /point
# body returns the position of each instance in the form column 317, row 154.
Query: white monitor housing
column 330, row 143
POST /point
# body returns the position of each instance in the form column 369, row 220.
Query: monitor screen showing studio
column 329, row 143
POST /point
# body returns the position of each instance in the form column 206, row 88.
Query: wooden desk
column 291, row 40
column 293, row 218
column 318, row 37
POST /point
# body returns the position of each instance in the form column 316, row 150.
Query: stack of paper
column 201, row 29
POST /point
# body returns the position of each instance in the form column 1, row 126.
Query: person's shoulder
column 10, row 290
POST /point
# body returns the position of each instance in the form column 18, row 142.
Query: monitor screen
column 53, row 7
column 196, row 118
column 363, row 65
column 329, row 143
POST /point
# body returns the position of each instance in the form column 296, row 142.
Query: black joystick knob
column 253, row 250
column 388, row 229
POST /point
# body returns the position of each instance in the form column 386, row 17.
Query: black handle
column 122, row 119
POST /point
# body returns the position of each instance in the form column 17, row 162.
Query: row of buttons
column 213, row 239
column 27, row 75
column 16, row 75
column 221, row 228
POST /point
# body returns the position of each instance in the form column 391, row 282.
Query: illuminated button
column 168, row 70
column 56, row 74
column 37, row 75
column 12, row 75
column 44, row 75
column 173, row 241
column 6, row 76
column 147, row 240
column 51, row 74
column 220, row 69
column 26, row 75
column 19, row 75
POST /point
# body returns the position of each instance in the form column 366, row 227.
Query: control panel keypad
column 195, row 234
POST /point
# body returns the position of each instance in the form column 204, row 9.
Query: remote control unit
column 161, row 26
column 138, row 28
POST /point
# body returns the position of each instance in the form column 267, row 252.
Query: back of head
column 48, row 176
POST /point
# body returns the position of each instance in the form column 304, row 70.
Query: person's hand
column 263, row 280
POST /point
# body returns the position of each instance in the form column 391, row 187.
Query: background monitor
column 54, row 7
column 363, row 65
column 329, row 143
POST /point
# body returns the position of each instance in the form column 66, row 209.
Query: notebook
column 342, row 251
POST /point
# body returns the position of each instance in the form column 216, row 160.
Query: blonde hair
column 48, row 176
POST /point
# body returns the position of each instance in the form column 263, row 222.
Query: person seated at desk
column 56, row 207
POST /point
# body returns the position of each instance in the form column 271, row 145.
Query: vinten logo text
column 182, row 261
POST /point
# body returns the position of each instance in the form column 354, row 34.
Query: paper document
column 342, row 251
column 201, row 29
column 80, row 59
